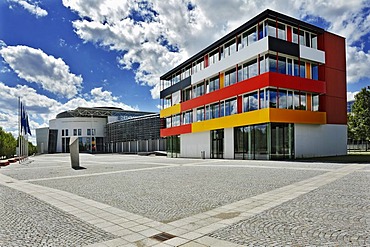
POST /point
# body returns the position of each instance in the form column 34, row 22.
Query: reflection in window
column 263, row 102
column 302, row 69
column 282, row 65
column 271, row 28
column 230, row 77
column 314, row 41
column 230, row 48
column 290, row 66
column 315, row 71
column 230, row 107
column 214, row 111
column 302, row 101
column 186, row 94
column 282, row 99
column 168, row 122
column 176, row 120
column 240, row 74
column 187, row 117
column 290, row 100
column 315, row 102
column 272, row 63
column 198, row 90
column 200, row 114
column 296, row 68
column 214, row 84
column 250, row 37
column 213, row 57
column 272, row 98
column 295, row 100
column 281, row 31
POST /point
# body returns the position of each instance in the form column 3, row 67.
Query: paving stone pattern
column 169, row 194
column 337, row 214
column 27, row 221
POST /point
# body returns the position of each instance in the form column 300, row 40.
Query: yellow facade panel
column 175, row 109
column 222, row 80
column 247, row 118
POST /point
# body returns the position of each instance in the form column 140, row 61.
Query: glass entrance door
column 217, row 144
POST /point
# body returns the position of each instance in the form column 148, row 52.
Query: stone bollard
column 74, row 152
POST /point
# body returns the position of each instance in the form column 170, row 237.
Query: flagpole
column 19, row 129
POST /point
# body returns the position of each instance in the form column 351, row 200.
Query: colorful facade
column 273, row 88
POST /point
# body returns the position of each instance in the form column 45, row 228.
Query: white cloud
column 32, row 7
column 358, row 64
column 34, row 65
column 351, row 95
column 158, row 25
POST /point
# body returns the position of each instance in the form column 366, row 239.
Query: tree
column 359, row 119
column 8, row 144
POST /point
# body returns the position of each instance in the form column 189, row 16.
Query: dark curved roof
column 99, row 112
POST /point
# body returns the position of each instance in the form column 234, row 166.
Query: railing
column 358, row 145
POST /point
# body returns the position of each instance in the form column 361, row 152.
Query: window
column 315, row 71
column 263, row 65
column 250, row 69
column 302, row 69
column 167, row 102
column 62, row 132
column 66, row 132
column 302, row 101
column 74, row 132
column 79, row 132
column 208, row 112
column 314, row 41
column 260, row 31
column 315, row 102
column 263, row 99
column 282, row 65
column 289, row 66
column 214, row 111
column 200, row 114
column 240, row 74
column 295, row 35
column 230, row 107
column 213, row 57
column 281, row 31
column 296, row 68
column 187, row 72
column 250, row 36
column 272, row 63
column 290, row 100
column 168, row 122
column 295, row 100
column 230, row 48
column 282, row 99
column 198, row 90
column 88, row 132
column 271, row 28
column 230, row 77
column 176, row 120
column 252, row 100
column 186, row 94
column 93, row 131
column 187, row 117
column 214, row 84
column 272, row 98
column 198, row 65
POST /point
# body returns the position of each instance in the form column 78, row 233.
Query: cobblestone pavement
column 172, row 193
column 26, row 221
column 337, row 214
column 124, row 200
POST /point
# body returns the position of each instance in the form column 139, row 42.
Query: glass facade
column 173, row 146
column 217, row 144
column 264, row 141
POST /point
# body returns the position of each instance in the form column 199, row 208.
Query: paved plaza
column 129, row 200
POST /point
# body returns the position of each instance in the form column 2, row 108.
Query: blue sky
column 61, row 54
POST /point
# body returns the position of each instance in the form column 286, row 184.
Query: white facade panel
column 320, row 140
column 312, row 54
column 229, row 143
column 230, row 61
column 192, row 144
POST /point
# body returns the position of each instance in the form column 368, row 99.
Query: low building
column 98, row 130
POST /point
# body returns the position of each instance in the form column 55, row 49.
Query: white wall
column 192, row 144
column 229, row 143
column 320, row 140
column 82, row 123
column 312, row 54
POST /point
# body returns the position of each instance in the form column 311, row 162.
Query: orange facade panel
column 296, row 116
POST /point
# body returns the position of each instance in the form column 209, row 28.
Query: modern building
column 274, row 88
column 100, row 129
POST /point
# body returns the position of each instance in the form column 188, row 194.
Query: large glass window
column 230, row 48
column 250, row 69
column 315, row 71
column 214, row 111
column 272, row 63
column 79, row 132
column 168, row 122
column 315, row 102
column 302, row 69
column 282, row 65
column 200, row 114
column 263, row 101
column 281, row 31
column 290, row 100
column 187, row 117
column 289, row 66
column 253, row 101
column 198, row 90
column 75, row 132
column 271, row 28
column 214, row 84
column 167, row 102
column 240, row 73
column 176, row 120
column 250, row 36
column 272, row 98
column 314, row 41
column 302, row 101
column 282, row 99
column 295, row 100
column 173, row 146
column 230, row 77
column 186, row 94
column 296, row 68
column 230, row 107
column 260, row 133
column 263, row 65
column 213, row 57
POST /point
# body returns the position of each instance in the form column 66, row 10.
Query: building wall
column 193, row 144
column 77, row 123
column 320, row 140
column 229, row 143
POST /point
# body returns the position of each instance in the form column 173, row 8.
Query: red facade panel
column 267, row 79
column 334, row 74
column 289, row 33
column 178, row 130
